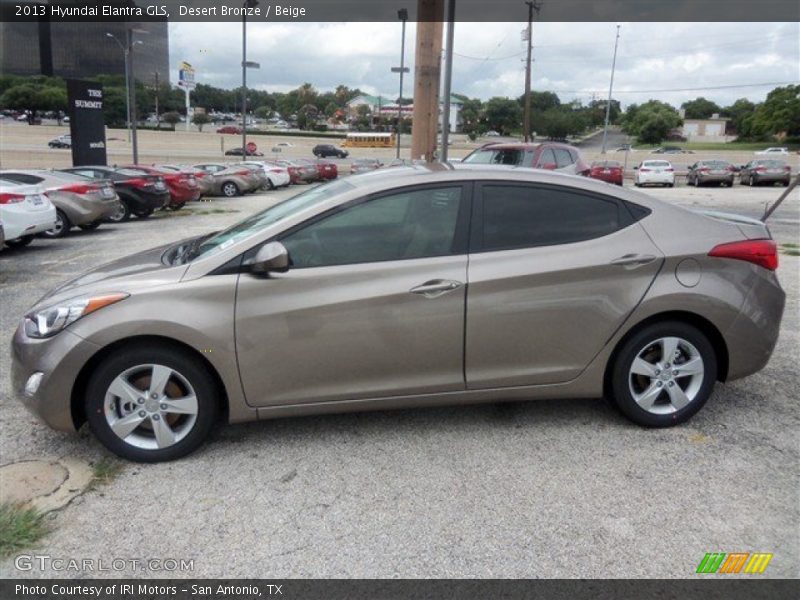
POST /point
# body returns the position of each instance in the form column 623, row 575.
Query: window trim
column 476, row 229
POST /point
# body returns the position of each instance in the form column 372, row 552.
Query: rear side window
column 496, row 156
column 547, row 157
column 563, row 158
column 519, row 216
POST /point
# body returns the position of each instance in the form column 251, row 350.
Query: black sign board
column 86, row 124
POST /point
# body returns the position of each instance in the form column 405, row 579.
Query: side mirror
column 270, row 258
column 636, row 168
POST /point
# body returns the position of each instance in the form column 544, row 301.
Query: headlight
column 49, row 321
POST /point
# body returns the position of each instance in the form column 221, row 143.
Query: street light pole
column 402, row 14
column 245, row 64
column 610, row 89
column 127, row 84
column 448, row 76
column 132, row 110
column 526, row 123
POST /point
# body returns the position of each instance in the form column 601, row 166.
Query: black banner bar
column 712, row 11
column 86, row 125
column 730, row 588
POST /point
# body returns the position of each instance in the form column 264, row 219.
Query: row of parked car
column 702, row 172
column 49, row 203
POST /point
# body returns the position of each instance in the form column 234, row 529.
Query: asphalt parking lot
column 539, row 489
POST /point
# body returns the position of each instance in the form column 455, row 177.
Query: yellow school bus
column 369, row 140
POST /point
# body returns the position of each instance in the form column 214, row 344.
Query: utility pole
column 427, row 71
column 158, row 116
column 134, row 137
column 526, row 124
column 402, row 14
column 245, row 66
column 448, row 76
column 610, row 89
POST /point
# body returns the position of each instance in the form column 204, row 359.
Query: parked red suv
column 609, row 171
column 182, row 186
column 552, row 156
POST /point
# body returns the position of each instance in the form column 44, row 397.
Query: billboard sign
column 186, row 75
column 86, row 124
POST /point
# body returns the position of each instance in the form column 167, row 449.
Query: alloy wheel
column 666, row 375
column 150, row 406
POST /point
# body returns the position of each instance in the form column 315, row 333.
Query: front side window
column 518, row 216
column 547, row 159
column 496, row 156
column 418, row 223
column 563, row 158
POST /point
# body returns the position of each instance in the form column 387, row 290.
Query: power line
column 693, row 89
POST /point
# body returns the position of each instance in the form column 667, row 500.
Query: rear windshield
column 131, row 172
column 716, row 164
column 606, row 163
column 656, row 163
column 772, row 164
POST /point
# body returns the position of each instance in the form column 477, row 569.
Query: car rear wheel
column 19, row 242
column 178, row 206
column 143, row 214
column 62, row 226
column 664, row 374
column 90, row 226
column 122, row 214
column 151, row 404
column 230, row 189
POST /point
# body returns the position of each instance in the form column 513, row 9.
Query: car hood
column 127, row 274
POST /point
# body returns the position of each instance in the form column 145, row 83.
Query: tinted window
column 563, row 158
column 525, row 216
column 405, row 225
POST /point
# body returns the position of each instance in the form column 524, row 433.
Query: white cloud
column 573, row 59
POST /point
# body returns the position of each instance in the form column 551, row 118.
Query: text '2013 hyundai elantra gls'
column 402, row 288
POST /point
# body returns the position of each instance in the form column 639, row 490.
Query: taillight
column 669, row 170
column 787, row 168
column 276, row 170
column 6, row 198
column 80, row 188
column 245, row 172
column 644, row 170
column 137, row 182
column 760, row 169
column 703, row 170
column 763, row 253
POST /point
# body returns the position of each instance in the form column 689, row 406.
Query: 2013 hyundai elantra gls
column 402, row 288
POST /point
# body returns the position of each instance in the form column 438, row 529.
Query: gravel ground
column 539, row 489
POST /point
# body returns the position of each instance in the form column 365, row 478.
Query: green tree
column 654, row 128
column 738, row 112
column 199, row 119
column 650, row 120
column 171, row 118
column 503, row 114
column 779, row 114
column 700, row 108
column 558, row 123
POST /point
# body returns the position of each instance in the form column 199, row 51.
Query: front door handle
column 633, row 260
column 436, row 287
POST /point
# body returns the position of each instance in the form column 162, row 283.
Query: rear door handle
column 436, row 287
column 633, row 260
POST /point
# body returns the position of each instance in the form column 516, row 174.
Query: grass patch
column 20, row 528
column 790, row 251
column 734, row 146
column 790, row 245
column 104, row 471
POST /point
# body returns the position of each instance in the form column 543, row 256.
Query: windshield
column 261, row 220
column 497, row 156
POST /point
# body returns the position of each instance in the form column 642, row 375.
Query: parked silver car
column 230, row 180
column 79, row 201
column 407, row 287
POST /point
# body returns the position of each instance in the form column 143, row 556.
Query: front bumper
column 59, row 359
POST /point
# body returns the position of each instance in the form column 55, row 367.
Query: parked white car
column 25, row 210
column 277, row 176
column 654, row 172
column 775, row 151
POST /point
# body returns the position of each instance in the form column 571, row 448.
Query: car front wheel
column 663, row 374
column 230, row 189
column 149, row 404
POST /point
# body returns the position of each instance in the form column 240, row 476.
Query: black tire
column 62, row 226
column 20, row 242
column 189, row 367
column 144, row 213
column 230, row 189
column 785, row 183
column 628, row 351
column 270, row 186
column 178, row 206
column 124, row 213
column 90, row 226
column 670, row 185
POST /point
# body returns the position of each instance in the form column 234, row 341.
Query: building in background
column 387, row 108
column 79, row 50
column 707, row 130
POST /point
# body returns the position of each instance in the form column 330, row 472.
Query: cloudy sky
column 572, row 59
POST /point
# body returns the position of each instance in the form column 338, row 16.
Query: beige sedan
column 230, row 180
column 407, row 287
